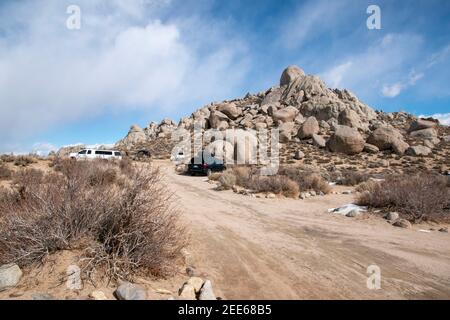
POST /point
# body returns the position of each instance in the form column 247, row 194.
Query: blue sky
column 144, row 60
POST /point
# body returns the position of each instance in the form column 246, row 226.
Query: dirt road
column 294, row 249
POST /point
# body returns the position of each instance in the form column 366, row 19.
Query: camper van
column 87, row 154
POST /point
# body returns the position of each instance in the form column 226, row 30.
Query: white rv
column 87, row 154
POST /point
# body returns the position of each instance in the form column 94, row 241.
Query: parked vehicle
column 202, row 167
column 87, row 154
column 179, row 157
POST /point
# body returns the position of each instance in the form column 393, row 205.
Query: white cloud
column 374, row 69
column 392, row 91
column 121, row 59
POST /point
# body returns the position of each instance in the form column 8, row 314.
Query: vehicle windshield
column 82, row 152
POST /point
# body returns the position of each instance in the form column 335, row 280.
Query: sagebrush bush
column 274, row 184
column 128, row 222
column 5, row 172
column 227, row 180
column 352, row 178
column 416, row 198
column 306, row 181
column 24, row 161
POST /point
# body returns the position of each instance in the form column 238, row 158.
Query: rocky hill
column 318, row 125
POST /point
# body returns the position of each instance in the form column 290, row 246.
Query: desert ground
column 280, row 248
column 294, row 249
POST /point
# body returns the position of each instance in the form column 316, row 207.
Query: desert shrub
column 352, row 178
column 129, row 225
column 7, row 158
column 227, row 180
column 5, row 172
column 214, row 176
column 274, row 184
column 416, row 198
column 126, row 165
column 367, row 186
column 306, row 180
column 24, row 161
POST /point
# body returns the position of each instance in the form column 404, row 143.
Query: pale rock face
column 290, row 74
column 273, row 96
column 370, row 148
column 318, row 141
column 421, row 124
column 350, row 118
column 287, row 130
column 384, row 136
column 429, row 133
column 135, row 136
column 346, row 140
column 216, row 118
column 285, row 115
column 230, row 110
column 309, row 128
column 399, row 146
column 418, row 151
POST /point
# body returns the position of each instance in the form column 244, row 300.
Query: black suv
column 203, row 167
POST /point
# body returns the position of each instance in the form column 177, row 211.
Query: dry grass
column 5, row 172
column 352, row 178
column 24, row 161
column 126, row 222
column 306, row 181
column 416, row 198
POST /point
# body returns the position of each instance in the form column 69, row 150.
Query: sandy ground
column 278, row 249
column 294, row 249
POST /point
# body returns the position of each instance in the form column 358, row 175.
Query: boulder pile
column 305, row 110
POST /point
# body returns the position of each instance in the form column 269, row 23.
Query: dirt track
column 293, row 249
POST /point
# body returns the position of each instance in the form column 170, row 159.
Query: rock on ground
column 402, row 223
column 10, row 275
column 129, row 291
column 207, row 292
column 346, row 140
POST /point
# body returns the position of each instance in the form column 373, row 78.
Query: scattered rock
column 309, row 128
column 444, row 230
column 418, row 151
column 187, row 292
column 370, row 148
column 98, row 295
column 10, row 275
column 207, row 292
column 299, row 155
column 421, row 124
column 129, row 291
column 399, row 146
column 42, row 296
column 384, row 136
column 196, row 282
column 392, row 216
column 346, row 140
column 429, row 133
column 190, row 271
column 318, row 141
column 402, row 223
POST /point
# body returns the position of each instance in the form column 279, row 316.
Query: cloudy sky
column 136, row 61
